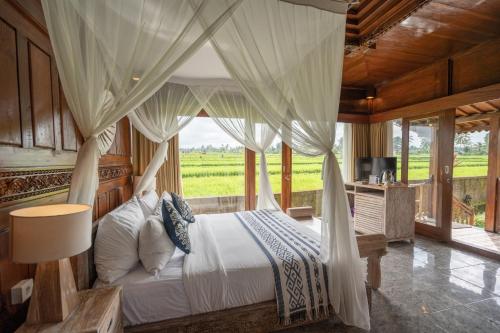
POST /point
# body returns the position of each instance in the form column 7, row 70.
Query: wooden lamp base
column 54, row 294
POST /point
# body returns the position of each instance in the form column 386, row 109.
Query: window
column 212, row 168
column 422, row 167
column 470, row 170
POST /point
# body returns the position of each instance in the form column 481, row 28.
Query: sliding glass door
column 427, row 165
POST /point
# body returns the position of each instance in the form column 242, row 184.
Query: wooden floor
column 477, row 237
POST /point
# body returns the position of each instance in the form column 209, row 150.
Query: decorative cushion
column 155, row 247
column 176, row 227
column 148, row 202
column 158, row 209
column 182, row 207
column 117, row 241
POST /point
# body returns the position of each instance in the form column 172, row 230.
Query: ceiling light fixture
column 370, row 93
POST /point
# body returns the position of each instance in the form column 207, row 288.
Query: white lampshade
column 46, row 233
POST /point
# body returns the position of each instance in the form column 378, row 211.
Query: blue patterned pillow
column 182, row 207
column 176, row 227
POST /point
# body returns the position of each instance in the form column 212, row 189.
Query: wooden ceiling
column 476, row 117
column 388, row 38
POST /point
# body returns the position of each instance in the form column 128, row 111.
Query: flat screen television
column 367, row 166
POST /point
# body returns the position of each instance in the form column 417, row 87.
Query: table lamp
column 48, row 236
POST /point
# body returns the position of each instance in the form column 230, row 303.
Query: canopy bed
column 154, row 303
column 284, row 66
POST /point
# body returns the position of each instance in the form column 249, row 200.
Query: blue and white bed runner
column 300, row 280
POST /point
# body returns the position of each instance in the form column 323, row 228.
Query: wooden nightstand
column 99, row 312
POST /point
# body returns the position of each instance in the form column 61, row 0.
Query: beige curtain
column 168, row 177
column 360, row 144
column 378, row 139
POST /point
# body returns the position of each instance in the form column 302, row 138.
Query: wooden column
column 492, row 189
column 433, row 172
column 405, row 150
column 249, row 179
column 446, row 135
column 286, row 176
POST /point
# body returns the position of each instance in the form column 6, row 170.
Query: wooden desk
column 389, row 210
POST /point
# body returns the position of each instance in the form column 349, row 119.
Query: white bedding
column 229, row 271
column 147, row 298
column 239, row 272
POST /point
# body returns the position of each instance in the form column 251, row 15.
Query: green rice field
column 220, row 174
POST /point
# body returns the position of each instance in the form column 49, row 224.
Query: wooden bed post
column 286, row 176
column 249, row 179
column 373, row 247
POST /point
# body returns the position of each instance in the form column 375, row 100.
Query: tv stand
column 383, row 209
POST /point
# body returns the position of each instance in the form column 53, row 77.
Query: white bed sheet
column 147, row 298
column 249, row 276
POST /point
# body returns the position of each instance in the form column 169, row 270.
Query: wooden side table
column 99, row 312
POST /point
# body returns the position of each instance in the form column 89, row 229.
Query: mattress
column 148, row 298
column 248, row 277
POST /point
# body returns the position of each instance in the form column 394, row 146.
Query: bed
column 233, row 291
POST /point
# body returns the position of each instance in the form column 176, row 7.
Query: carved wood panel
column 41, row 97
column 10, row 126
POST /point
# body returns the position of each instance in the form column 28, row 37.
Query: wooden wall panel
column 10, row 126
column 41, row 98
column 422, row 85
column 477, row 67
column 70, row 138
column 121, row 146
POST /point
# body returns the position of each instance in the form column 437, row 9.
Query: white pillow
column 155, row 247
column 117, row 241
column 148, row 202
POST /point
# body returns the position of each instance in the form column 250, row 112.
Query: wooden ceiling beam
column 476, row 117
column 353, row 118
column 432, row 106
column 438, row 5
column 476, row 128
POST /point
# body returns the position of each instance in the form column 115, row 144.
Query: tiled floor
column 477, row 237
column 430, row 287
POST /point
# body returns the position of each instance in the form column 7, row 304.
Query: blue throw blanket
column 300, row 279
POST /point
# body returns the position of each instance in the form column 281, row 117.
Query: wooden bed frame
column 259, row 317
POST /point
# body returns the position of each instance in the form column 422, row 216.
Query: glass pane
column 470, row 169
column 422, row 167
column 212, row 168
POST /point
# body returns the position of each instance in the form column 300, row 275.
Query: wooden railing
column 462, row 213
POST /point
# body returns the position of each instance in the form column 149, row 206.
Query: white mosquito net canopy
column 260, row 68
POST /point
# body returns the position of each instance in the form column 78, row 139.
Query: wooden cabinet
column 99, row 312
column 389, row 210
